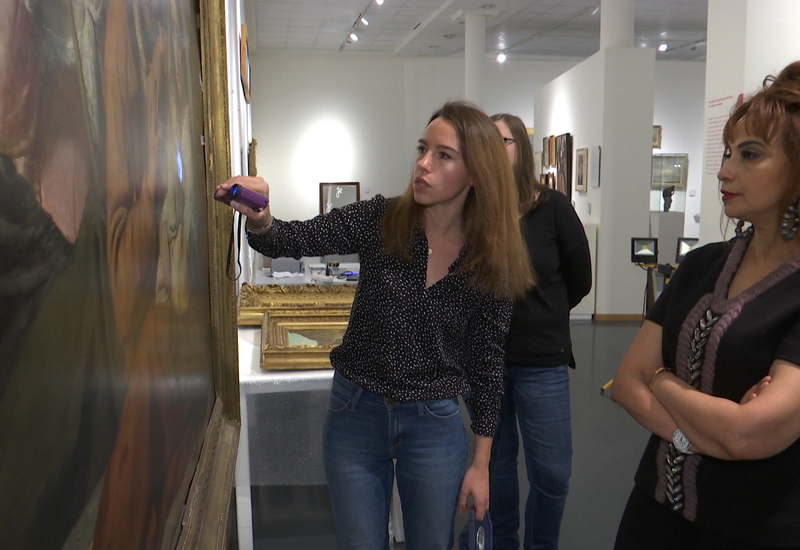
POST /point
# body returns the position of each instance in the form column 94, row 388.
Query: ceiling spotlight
column 379, row 2
column 663, row 47
column 501, row 57
column 364, row 20
column 353, row 37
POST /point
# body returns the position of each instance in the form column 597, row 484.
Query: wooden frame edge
column 205, row 520
column 224, row 335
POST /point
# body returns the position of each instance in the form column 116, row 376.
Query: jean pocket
column 442, row 408
column 341, row 396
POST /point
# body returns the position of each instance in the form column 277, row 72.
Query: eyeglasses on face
column 509, row 141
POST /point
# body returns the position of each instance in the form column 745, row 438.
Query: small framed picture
column 656, row 137
column 669, row 170
column 545, row 152
column 336, row 194
column 581, row 169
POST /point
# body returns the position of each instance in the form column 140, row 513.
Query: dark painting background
column 106, row 381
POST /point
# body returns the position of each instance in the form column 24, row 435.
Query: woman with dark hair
column 713, row 372
column 440, row 266
column 538, row 352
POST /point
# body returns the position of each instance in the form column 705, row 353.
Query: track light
column 501, row 57
column 663, row 47
column 364, row 21
column 353, row 37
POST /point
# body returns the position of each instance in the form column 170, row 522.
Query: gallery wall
column 357, row 118
column 607, row 101
column 332, row 117
column 747, row 40
column 678, row 109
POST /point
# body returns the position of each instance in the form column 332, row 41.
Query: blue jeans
column 539, row 399
column 363, row 434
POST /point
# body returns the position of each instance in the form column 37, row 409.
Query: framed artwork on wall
column 656, row 137
column 551, row 148
column 244, row 63
column 545, row 152
column 669, row 170
column 337, row 194
column 581, row 169
column 564, row 164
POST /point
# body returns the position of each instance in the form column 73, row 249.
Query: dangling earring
column 791, row 220
column 741, row 232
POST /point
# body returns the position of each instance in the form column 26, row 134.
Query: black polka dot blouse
column 404, row 341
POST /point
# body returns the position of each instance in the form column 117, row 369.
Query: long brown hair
column 498, row 261
column 530, row 192
column 774, row 112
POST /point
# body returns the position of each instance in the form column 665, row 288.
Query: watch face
column 680, row 441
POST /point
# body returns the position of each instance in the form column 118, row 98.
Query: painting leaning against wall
column 106, row 380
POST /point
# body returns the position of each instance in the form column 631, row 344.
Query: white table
column 254, row 383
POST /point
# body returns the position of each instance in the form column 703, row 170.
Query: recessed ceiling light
column 501, row 57
column 663, row 47
column 379, row 2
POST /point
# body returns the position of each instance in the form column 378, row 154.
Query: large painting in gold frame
column 118, row 384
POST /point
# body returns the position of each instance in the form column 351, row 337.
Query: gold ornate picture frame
column 300, row 324
column 256, row 300
column 302, row 339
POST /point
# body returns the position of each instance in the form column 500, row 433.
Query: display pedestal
column 667, row 227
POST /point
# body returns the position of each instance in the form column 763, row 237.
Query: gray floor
column 607, row 445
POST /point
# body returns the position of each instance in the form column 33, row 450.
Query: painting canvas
column 106, row 376
column 551, row 141
column 337, row 194
column 564, row 164
column 669, row 170
column 545, row 152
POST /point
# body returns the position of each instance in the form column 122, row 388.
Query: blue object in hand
column 476, row 535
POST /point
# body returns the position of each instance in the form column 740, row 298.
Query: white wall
column 607, row 100
column 747, row 40
column 678, row 109
column 382, row 103
column 324, row 118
